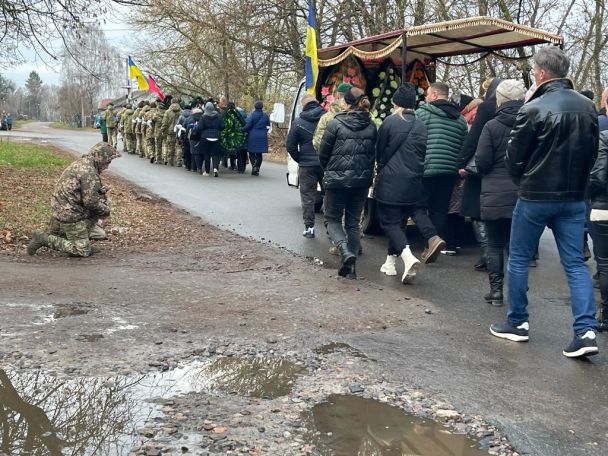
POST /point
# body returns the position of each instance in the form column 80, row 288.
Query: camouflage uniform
column 118, row 129
column 144, row 129
column 170, row 153
column 158, row 135
column 77, row 203
column 149, row 139
column 336, row 107
column 127, row 129
column 110, row 124
column 137, row 126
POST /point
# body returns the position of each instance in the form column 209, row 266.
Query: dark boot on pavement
column 602, row 318
column 348, row 260
column 436, row 245
column 39, row 239
column 479, row 228
column 495, row 297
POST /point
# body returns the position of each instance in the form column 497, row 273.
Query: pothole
column 336, row 347
column 347, row 425
column 69, row 310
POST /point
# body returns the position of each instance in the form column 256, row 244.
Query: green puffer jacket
column 446, row 132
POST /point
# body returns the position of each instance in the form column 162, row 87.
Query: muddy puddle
column 337, row 347
column 353, row 426
column 69, row 310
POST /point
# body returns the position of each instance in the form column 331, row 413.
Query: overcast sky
column 117, row 33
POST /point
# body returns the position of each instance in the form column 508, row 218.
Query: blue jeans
column 567, row 220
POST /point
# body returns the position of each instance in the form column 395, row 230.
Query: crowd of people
column 199, row 136
column 515, row 162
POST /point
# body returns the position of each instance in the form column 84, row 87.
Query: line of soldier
column 147, row 130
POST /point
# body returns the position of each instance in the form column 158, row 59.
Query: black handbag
column 471, row 167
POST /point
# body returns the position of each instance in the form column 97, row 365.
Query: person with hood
column 337, row 106
column 498, row 191
column 446, row 131
column 347, row 157
column 182, row 137
column 9, row 121
column 257, row 127
column 400, row 155
column 299, row 146
column 472, row 184
column 127, row 129
column 208, row 129
column 78, row 201
column 196, row 149
column 103, row 129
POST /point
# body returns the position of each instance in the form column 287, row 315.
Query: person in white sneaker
column 400, row 153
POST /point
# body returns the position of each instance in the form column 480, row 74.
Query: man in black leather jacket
column 553, row 146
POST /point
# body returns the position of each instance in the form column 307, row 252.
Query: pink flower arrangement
column 330, row 99
column 351, row 72
column 355, row 81
column 325, row 91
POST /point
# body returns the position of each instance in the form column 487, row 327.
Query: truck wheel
column 370, row 223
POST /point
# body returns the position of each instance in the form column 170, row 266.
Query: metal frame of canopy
column 476, row 35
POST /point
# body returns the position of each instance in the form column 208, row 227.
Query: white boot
column 410, row 263
column 389, row 266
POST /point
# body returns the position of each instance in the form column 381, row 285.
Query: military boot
column 602, row 318
column 39, row 239
column 495, row 296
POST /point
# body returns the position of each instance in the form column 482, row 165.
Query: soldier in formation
column 110, row 118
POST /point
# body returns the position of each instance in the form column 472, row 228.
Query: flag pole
column 128, row 80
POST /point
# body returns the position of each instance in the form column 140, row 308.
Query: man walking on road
column 299, row 146
column 446, row 131
column 553, row 146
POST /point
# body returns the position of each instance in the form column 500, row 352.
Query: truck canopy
column 476, row 35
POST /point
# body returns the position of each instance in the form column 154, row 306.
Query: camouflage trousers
column 158, row 150
column 169, row 149
column 138, row 141
column 150, row 147
column 130, row 142
column 112, row 136
column 76, row 241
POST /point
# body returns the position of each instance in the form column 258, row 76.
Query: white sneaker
column 205, row 173
column 389, row 266
column 309, row 232
column 410, row 263
column 215, row 172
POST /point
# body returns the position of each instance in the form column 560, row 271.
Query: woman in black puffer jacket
column 400, row 154
column 598, row 193
column 347, row 155
column 498, row 192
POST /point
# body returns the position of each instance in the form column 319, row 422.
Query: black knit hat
column 405, row 96
column 351, row 99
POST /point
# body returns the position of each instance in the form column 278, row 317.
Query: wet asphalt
column 546, row 403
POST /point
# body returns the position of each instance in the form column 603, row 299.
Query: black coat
column 348, row 150
column 472, row 185
column 400, row 153
column 553, row 144
column 193, row 134
column 299, row 140
column 598, row 179
column 498, row 191
column 209, row 126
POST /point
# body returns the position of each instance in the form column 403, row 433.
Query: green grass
column 19, row 123
column 22, row 155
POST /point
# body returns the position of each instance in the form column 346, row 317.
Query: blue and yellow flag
column 312, row 66
column 134, row 72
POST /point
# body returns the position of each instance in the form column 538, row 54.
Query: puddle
column 256, row 377
column 69, row 310
column 89, row 337
column 354, row 426
column 335, row 347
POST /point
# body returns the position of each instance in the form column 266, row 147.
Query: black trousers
column 256, row 160
column 197, row 161
column 211, row 152
column 393, row 221
column 241, row 160
column 186, row 157
column 600, row 250
column 309, row 178
column 347, row 204
column 432, row 209
column 499, row 233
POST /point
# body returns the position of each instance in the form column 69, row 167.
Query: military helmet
column 153, row 104
column 140, row 104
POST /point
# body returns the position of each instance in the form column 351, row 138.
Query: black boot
column 602, row 318
column 479, row 228
column 495, row 297
column 347, row 265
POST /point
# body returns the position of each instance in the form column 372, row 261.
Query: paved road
column 548, row 405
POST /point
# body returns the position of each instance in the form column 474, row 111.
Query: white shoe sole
column 511, row 337
column 585, row 351
column 388, row 272
column 409, row 275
